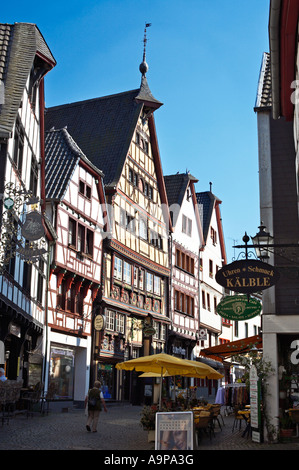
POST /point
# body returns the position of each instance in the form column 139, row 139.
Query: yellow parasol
column 163, row 364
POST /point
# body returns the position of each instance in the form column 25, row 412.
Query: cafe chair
column 237, row 418
column 203, row 425
column 295, row 419
column 216, row 415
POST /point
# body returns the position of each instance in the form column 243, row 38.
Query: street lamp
column 261, row 241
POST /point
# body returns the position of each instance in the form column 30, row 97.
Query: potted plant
column 286, row 427
column 148, row 421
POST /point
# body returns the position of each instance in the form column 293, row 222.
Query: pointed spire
column 145, row 94
column 143, row 67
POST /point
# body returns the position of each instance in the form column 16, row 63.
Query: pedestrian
column 94, row 401
column 2, row 375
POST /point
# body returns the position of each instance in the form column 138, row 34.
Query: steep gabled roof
column 19, row 44
column 62, row 157
column 102, row 127
column 176, row 187
column 264, row 94
column 207, row 202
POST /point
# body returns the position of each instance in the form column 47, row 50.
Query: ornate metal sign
column 247, row 276
column 22, row 231
column 33, row 228
column 239, row 307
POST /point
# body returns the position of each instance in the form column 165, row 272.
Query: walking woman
column 94, row 401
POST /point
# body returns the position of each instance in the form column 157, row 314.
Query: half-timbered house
column 186, row 243
column 75, row 203
column 212, row 258
column 117, row 133
column 25, row 59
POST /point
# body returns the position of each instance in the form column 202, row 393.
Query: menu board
column 174, row 431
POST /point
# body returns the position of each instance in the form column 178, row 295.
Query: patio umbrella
column 165, row 364
column 204, row 371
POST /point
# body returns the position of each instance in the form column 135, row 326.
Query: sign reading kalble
column 247, row 276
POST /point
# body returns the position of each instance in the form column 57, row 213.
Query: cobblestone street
column 118, row 429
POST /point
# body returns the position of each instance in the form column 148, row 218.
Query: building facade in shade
column 24, row 251
column 185, row 245
column 212, row 258
column 76, row 206
column 117, row 134
column 277, row 121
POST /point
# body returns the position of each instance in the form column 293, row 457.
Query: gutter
column 274, row 42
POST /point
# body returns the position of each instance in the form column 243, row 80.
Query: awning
column 233, row 348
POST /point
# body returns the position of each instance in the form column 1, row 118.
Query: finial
column 143, row 67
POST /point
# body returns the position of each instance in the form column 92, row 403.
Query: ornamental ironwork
column 22, row 229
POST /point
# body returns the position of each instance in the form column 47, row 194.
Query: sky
column 204, row 59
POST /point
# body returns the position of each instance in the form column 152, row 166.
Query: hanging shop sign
column 247, row 276
column 239, row 307
column 33, row 228
column 99, row 322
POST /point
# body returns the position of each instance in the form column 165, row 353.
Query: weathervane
column 143, row 66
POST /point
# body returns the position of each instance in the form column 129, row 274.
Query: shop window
column 61, row 374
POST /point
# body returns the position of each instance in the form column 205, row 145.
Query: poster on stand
column 174, row 431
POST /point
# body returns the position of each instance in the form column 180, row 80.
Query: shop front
column 21, row 338
column 68, row 370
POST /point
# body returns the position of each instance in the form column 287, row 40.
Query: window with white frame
column 110, row 317
column 187, row 225
column 119, row 322
column 157, row 285
column 127, row 273
column 118, row 268
column 143, row 228
column 149, row 282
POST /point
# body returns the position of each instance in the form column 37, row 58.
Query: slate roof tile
column 62, row 156
column 102, row 127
